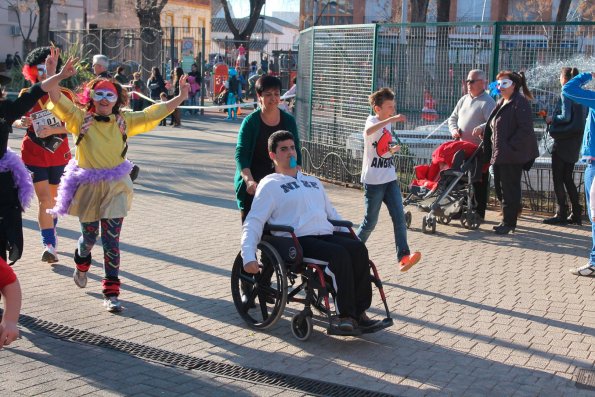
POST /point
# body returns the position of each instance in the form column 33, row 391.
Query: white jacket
column 300, row 202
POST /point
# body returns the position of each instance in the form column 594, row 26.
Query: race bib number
column 42, row 119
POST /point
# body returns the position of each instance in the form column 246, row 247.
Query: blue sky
column 241, row 8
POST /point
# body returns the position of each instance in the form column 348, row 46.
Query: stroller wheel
column 470, row 220
column 445, row 220
column 408, row 219
column 428, row 224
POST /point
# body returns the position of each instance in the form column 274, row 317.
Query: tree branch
column 31, row 24
column 255, row 9
column 229, row 20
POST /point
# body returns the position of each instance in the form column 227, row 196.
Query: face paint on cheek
column 292, row 162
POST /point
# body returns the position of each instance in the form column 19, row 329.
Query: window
column 62, row 19
column 186, row 24
column 105, row 6
column 201, row 22
column 12, row 15
column 169, row 19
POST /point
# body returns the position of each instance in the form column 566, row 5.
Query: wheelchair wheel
column 260, row 298
column 301, row 326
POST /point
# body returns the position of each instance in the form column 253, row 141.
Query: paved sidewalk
column 480, row 315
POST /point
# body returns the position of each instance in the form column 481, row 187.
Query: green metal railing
column 426, row 65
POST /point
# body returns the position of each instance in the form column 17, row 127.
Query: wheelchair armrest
column 277, row 228
column 340, row 223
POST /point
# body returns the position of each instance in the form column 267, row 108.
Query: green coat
column 245, row 148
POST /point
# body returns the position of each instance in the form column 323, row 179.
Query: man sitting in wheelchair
column 288, row 197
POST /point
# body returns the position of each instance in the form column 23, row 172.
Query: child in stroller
column 445, row 187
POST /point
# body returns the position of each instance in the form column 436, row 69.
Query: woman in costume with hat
column 16, row 186
column 96, row 185
column 44, row 150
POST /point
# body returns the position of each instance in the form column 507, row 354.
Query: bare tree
column 28, row 8
column 416, row 49
column 563, row 9
column 444, row 96
column 149, row 17
column 419, row 10
column 244, row 35
column 43, row 31
column 532, row 10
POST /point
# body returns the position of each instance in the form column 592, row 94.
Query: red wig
column 30, row 73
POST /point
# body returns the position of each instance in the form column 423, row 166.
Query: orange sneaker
column 409, row 260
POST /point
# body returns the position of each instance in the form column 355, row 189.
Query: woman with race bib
column 44, row 150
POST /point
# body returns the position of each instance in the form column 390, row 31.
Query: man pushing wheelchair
column 288, row 197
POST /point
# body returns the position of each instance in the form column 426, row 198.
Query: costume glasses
column 504, row 83
column 104, row 94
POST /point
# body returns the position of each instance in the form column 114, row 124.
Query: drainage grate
column 585, row 379
column 165, row 357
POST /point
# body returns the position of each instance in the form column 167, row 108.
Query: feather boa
column 22, row 177
column 74, row 176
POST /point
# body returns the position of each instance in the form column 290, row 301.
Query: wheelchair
column 286, row 276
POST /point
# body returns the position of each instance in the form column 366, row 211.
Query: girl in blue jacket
column 575, row 91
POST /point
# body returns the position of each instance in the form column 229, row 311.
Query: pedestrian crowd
column 96, row 184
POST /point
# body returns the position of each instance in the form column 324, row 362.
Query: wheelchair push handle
column 277, row 228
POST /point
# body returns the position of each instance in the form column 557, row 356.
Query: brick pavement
column 480, row 315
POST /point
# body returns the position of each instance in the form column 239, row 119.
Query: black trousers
column 562, row 176
column 348, row 269
column 247, row 206
column 481, row 193
column 508, row 176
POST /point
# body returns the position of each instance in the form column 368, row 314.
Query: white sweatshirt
column 300, row 202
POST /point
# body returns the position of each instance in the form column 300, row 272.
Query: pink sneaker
column 409, row 260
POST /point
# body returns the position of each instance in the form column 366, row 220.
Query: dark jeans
column 562, row 176
column 508, row 176
column 390, row 194
column 348, row 269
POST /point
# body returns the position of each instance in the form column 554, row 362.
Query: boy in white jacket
column 288, row 197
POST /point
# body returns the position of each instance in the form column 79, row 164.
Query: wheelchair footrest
column 334, row 330
column 385, row 323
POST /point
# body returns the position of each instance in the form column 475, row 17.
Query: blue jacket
column 574, row 91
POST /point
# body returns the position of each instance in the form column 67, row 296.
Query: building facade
column 67, row 15
column 346, row 12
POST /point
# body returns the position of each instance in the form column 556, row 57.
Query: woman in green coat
column 252, row 157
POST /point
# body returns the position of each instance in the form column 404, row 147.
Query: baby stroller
column 444, row 188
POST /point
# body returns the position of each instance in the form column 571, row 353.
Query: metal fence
column 141, row 49
column 426, row 65
column 137, row 49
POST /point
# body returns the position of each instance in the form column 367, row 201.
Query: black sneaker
column 366, row 323
column 346, row 324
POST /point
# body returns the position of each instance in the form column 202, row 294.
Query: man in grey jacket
column 471, row 114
